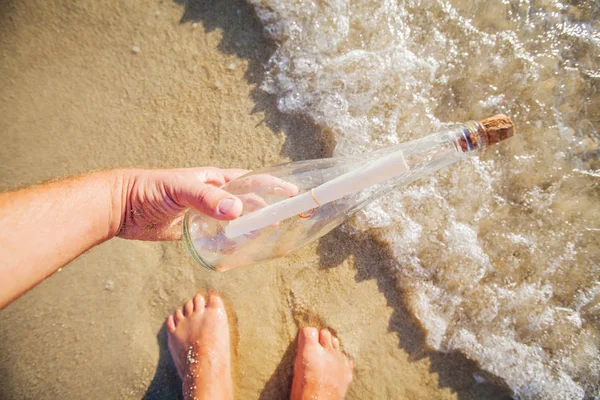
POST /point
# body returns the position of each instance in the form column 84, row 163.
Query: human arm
column 45, row 227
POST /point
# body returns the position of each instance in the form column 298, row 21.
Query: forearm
column 45, row 227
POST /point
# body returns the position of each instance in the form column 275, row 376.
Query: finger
column 210, row 175
column 263, row 184
column 209, row 200
column 267, row 184
column 252, row 202
column 216, row 176
column 233, row 173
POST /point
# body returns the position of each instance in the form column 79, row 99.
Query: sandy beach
column 94, row 85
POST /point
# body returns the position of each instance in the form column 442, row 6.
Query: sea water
column 498, row 257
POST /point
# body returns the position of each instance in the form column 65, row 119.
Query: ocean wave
column 498, row 256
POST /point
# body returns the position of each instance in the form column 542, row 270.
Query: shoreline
column 78, row 98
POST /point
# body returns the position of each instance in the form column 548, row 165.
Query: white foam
column 497, row 255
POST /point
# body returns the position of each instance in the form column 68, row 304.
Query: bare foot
column 199, row 345
column 321, row 370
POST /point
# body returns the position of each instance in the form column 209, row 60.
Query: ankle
column 202, row 383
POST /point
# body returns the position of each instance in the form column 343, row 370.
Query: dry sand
column 77, row 95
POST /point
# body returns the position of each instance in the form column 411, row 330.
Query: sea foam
column 498, row 257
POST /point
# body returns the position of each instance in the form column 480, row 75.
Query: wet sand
column 76, row 95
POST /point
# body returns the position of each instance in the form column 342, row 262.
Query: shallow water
column 499, row 256
column 74, row 97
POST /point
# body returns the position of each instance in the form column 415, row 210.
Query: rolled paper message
column 378, row 171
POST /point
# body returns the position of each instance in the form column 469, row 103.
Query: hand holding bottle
column 150, row 204
column 73, row 215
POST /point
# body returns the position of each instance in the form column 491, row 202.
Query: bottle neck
column 471, row 136
column 439, row 150
column 424, row 156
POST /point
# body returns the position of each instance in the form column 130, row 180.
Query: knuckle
column 204, row 193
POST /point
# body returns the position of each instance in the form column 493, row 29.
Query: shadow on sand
column 373, row 261
column 165, row 383
column 242, row 36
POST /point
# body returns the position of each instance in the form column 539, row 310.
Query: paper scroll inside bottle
column 376, row 172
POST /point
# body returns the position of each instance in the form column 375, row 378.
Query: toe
column 188, row 308
column 214, row 301
column 199, row 302
column 308, row 335
column 171, row 324
column 336, row 343
column 325, row 339
column 178, row 316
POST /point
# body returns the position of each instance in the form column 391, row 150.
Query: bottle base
column 189, row 245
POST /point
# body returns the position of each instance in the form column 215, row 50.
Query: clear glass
column 205, row 239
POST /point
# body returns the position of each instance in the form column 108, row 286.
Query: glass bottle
column 290, row 205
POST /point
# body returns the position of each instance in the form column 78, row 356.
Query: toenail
column 310, row 332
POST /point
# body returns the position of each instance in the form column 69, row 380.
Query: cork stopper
column 484, row 133
column 497, row 128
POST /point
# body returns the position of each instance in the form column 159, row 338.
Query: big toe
column 215, row 301
column 308, row 335
column 215, row 307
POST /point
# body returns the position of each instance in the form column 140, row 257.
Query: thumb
column 210, row 200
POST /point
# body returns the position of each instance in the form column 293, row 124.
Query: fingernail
column 225, row 206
